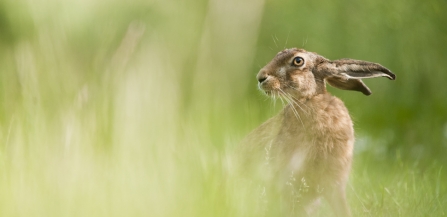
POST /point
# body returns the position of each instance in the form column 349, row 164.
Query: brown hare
column 304, row 153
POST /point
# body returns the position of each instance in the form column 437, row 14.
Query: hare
column 304, row 153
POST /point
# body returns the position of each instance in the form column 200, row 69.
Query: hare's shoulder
column 333, row 131
column 331, row 114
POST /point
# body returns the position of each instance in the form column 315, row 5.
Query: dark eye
column 298, row 61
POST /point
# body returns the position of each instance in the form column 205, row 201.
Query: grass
column 398, row 190
column 134, row 109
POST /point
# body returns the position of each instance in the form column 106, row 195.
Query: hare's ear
column 348, row 84
column 346, row 74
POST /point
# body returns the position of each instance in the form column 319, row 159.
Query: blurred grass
column 132, row 109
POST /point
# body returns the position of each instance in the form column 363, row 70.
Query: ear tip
column 391, row 75
column 367, row 93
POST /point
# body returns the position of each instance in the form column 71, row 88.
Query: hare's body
column 314, row 147
column 305, row 151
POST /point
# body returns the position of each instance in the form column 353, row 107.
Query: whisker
column 304, row 43
column 274, row 100
column 287, row 39
column 282, row 102
column 290, row 86
column 295, row 112
column 273, row 37
column 290, row 101
column 296, row 100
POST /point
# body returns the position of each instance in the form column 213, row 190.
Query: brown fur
column 311, row 140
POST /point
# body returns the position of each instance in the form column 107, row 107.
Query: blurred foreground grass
column 133, row 109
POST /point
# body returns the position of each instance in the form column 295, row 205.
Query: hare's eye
column 298, row 61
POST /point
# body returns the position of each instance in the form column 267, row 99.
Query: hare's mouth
column 269, row 87
column 268, row 90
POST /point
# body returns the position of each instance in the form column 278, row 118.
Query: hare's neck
column 305, row 111
column 297, row 113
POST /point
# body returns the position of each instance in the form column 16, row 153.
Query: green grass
column 398, row 189
column 134, row 109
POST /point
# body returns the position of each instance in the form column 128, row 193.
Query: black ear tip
column 367, row 92
column 392, row 76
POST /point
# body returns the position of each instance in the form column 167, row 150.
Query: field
column 110, row 108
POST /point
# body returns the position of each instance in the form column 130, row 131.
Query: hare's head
column 304, row 74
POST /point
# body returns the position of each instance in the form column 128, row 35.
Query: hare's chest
column 292, row 154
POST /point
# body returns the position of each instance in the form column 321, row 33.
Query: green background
column 133, row 108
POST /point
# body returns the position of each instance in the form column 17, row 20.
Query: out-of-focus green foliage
column 132, row 108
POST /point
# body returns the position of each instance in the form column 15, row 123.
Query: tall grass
column 134, row 109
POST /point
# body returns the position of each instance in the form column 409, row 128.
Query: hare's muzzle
column 262, row 76
column 267, row 82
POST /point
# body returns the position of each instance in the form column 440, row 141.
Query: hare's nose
column 262, row 79
column 262, row 76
